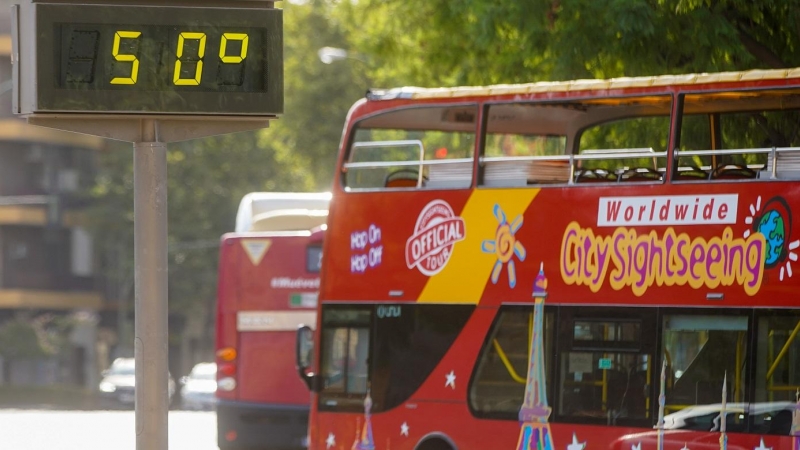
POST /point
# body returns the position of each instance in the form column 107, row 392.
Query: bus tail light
column 227, row 369
column 231, row 435
column 226, row 354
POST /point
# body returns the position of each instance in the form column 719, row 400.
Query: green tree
column 487, row 41
column 317, row 95
column 29, row 337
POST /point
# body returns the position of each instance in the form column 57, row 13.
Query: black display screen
column 133, row 59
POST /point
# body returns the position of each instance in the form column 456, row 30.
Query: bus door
column 606, row 367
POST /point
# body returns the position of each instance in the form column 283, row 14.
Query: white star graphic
column 404, row 429
column 331, row 441
column 762, row 446
column 685, row 447
column 575, row 444
column 637, row 446
column 451, row 379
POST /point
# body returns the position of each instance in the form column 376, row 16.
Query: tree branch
column 759, row 50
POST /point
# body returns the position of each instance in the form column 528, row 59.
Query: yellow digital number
column 223, row 48
column 118, row 37
column 201, row 51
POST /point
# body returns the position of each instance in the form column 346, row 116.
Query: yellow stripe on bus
column 466, row 274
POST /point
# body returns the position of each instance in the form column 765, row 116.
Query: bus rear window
column 313, row 258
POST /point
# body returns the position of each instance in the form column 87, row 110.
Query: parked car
column 697, row 427
column 199, row 388
column 763, row 418
column 118, row 385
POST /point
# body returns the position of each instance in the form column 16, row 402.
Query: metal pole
column 150, row 241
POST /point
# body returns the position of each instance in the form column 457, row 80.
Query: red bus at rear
column 268, row 285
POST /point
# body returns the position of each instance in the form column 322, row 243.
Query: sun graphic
column 773, row 221
column 505, row 245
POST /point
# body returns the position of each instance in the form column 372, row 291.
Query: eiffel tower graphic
column 364, row 439
column 534, row 428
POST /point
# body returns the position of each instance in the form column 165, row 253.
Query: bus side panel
column 439, row 410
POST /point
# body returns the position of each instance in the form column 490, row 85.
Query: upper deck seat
column 691, row 173
column 403, row 178
column 641, row 174
column 595, row 176
column 733, row 172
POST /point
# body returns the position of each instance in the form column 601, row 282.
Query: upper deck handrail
column 571, row 159
column 736, row 151
column 399, row 143
column 612, row 154
column 490, row 159
column 771, row 151
column 427, row 162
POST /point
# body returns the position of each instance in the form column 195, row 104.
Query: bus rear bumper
column 255, row 426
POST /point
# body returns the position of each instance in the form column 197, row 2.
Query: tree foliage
column 457, row 42
column 25, row 337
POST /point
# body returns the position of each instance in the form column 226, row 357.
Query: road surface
column 99, row 430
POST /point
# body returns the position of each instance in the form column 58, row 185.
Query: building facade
column 50, row 298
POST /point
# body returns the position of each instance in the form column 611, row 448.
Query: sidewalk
column 49, row 398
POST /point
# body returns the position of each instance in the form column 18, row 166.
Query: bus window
column 605, row 140
column 721, row 140
column 413, row 148
column 700, row 350
column 777, row 377
column 525, row 144
column 314, row 258
column 410, row 336
column 605, row 367
column 632, row 149
column 345, row 346
column 498, row 387
column 374, row 347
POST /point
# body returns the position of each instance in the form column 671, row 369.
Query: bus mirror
column 304, row 351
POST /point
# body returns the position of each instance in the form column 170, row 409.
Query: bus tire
column 435, row 443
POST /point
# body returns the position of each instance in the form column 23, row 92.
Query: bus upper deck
column 651, row 129
column 642, row 184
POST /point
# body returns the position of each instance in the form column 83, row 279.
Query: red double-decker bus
column 268, row 284
column 511, row 267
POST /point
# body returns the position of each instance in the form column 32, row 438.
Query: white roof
column 581, row 85
column 279, row 208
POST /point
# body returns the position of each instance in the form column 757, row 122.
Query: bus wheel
column 434, row 444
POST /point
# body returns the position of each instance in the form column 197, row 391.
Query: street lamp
column 330, row 54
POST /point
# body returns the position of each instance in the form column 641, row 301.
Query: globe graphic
column 772, row 227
